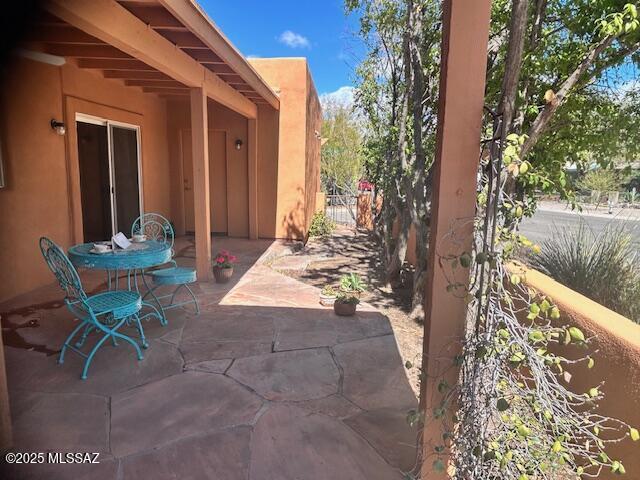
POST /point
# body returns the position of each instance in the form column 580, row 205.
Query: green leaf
column 576, row 334
column 555, row 313
column 545, row 305
column 594, row 392
column 523, row 430
column 438, row 465
column 591, row 363
column 502, row 404
column 633, row 432
column 536, row 336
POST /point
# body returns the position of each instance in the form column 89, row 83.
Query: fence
column 342, row 209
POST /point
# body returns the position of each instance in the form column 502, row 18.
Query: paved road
column 544, row 224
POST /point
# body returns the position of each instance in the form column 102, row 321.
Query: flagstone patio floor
column 264, row 384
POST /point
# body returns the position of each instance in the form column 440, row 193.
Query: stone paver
column 211, row 366
column 290, row 443
column 219, row 455
column 333, row 406
column 200, row 352
column 188, row 404
column 69, row 422
column 107, row 469
column 318, row 328
column 114, row 369
column 297, row 375
column 389, row 433
column 264, row 384
column 374, row 375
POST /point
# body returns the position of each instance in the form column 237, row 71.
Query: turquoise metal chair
column 158, row 228
column 104, row 312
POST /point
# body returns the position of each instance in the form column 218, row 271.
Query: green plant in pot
column 223, row 266
column 348, row 298
column 328, row 295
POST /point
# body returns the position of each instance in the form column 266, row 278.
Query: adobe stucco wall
column 617, row 359
column 37, row 199
column 235, row 126
column 312, row 165
column 299, row 113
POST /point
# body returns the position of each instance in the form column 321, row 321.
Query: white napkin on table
column 121, row 240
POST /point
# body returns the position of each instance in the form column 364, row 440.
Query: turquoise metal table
column 133, row 260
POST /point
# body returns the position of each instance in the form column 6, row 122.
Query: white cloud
column 344, row 97
column 294, row 40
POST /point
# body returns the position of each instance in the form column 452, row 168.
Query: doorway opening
column 111, row 193
column 219, row 209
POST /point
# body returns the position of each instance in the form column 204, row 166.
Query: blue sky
column 318, row 30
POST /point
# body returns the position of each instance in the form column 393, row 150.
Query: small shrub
column 329, row 291
column 351, row 287
column 604, row 268
column 601, row 180
column 321, row 225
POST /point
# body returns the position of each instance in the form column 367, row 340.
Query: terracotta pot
column 344, row 309
column 327, row 300
column 223, row 275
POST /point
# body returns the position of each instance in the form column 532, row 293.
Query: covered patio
column 264, row 383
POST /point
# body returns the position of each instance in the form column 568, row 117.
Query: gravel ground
column 324, row 260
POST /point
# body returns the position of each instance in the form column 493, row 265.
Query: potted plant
column 328, row 295
column 348, row 298
column 223, row 266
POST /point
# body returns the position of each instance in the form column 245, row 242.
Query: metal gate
column 342, row 208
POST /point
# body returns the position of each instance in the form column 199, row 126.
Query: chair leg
column 173, row 295
column 69, row 338
column 89, row 328
column 195, row 300
column 130, row 340
column 91, row 354
column 151, row 291
column 161, row 317
column 141, row 332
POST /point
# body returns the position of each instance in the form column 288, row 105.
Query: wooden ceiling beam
column 221, row 69
column 115, row 64
column 61, row 34
column 154, row 15
column 189, row 13
column 86, row 51
column 182, row 39
column 203, row 56
column 114, row 24
column 137, row 75
column 154, row 83
column 168, row 91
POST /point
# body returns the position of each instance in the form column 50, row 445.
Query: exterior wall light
column 59, row 127
column 238, row 144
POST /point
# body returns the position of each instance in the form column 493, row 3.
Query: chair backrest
column 155, row 227
column 63, row 269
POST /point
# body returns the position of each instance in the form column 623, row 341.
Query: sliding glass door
column 109, row 157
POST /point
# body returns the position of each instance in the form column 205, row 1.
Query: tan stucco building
column 160, row 113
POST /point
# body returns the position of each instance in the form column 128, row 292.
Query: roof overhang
column 193, row 17
column 164, row 47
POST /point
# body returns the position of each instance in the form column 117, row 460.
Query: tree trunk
column 394, row 267
column 419, row 274
column 513, row 63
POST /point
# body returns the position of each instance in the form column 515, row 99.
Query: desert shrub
column 602, row 267
column 321, row 225
column 602, row 180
